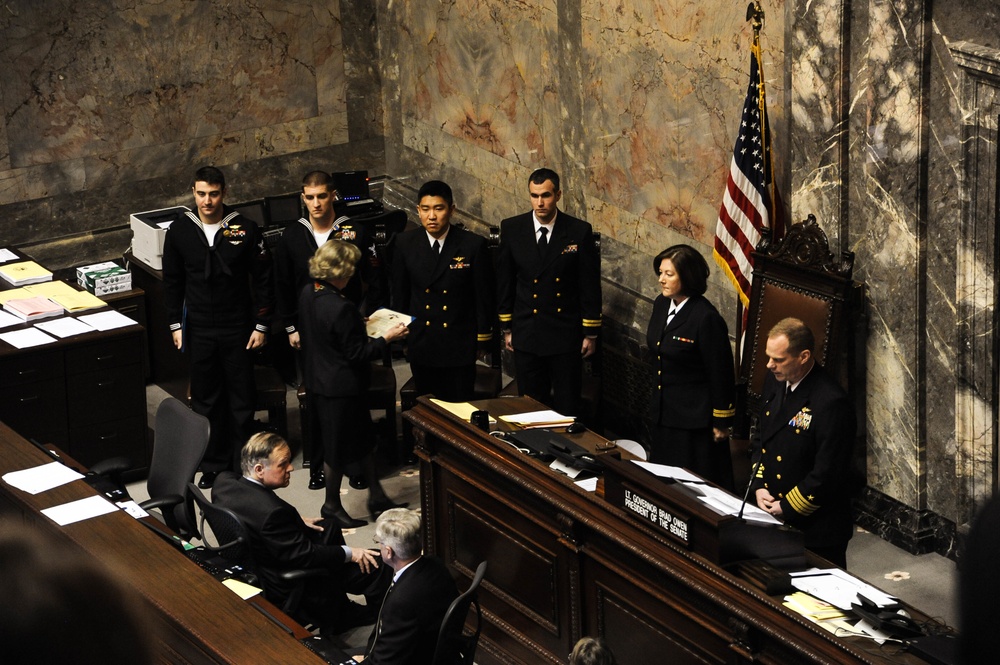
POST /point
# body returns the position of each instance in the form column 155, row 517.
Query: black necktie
column 436, row 247
column 543, row 241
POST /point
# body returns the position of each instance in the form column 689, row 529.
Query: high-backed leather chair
column 797, row 276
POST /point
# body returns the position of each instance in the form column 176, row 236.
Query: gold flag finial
column 755, row 13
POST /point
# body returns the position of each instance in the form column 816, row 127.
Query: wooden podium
column 564, row 562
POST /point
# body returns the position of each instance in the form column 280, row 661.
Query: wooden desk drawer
column 90, row 444
column 29, row 368
column 103, row 355
column 106, row 394
column 36, row 410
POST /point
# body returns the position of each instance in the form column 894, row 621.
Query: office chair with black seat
column 454, row 646
column 233, row 540
column 179, row 442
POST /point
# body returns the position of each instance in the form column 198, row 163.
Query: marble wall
column 109, row 106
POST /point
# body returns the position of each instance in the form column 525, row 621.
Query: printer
column 148, row 232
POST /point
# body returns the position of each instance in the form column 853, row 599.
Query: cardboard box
column 148, row 232
column 104, row 278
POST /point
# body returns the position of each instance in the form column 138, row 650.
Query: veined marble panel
column 663, row 94
column 480, row 71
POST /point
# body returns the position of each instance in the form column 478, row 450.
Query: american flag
column 746, row 210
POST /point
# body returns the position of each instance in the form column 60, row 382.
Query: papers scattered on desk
column 77, row 511
column 838, row 587
column 22, row 339
column 562, row 467
column 64, row 327
column 723, row 502
column 7, row 255
column 588, row 484
column 7, row 320
column 12, row 294
column 78, row 301
column 461, row 409
column 49, row 289
column 41, row 478
column 534, row 419
column 108, row 320
column 241, row 589
column 666, row 471
column 381, row 320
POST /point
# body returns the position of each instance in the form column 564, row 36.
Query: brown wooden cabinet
column 85, row 394
column 564, row 563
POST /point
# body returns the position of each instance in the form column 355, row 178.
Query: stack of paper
column 7, row 255
column 31, row 309
column 538, row 419
column 24, row 272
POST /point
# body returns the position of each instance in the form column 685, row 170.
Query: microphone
column 756, row 465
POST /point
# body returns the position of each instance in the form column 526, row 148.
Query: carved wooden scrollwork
column 807, row 245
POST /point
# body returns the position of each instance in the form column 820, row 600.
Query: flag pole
column 755, row 14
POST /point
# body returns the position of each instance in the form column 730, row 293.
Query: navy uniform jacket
column 693, row 361
column 549, row 302
column 213, row 282
column 291, row 268
column 411, row 614
column 338, row 350
column 279, row 539
column 805, row 452
column 450, row 294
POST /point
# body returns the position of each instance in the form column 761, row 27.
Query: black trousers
column 695, row 450
column 555, row 380
column 452, row 384
column 222, row 390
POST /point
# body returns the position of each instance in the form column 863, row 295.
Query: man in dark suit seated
column 422, row 589
column 281, row 540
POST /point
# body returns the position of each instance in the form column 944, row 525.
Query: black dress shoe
column 207, row 480
column 376, row 508
column 342, row 519
column 317, row 481
column 358, row 482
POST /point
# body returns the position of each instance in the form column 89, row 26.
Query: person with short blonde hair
column 337, row 368
column 334, row 260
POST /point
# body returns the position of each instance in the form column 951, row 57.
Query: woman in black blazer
column 337, row 368
column 691, row 409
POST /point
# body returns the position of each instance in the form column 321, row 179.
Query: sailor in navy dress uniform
column 805, row 436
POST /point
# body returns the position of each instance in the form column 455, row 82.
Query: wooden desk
column 564, row 563
column 199, row 620
column 85, row 394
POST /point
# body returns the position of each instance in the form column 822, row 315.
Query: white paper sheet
column 838, row 587
column 67, row 326
column 727, row 504
column 7, row 320
column 77, row 511
column 7, row 255
column 133, row 509
column 559, row 465
column 539, row 419
column 588, row 484
column 41, row 478
column 22, row 339
column 108, row 320
column 665, row 471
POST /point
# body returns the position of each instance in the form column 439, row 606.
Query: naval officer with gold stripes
column 443, row 276
column 805, row 436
